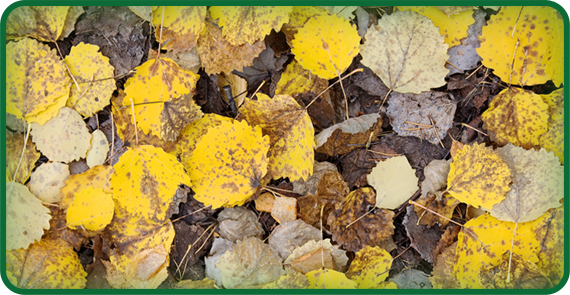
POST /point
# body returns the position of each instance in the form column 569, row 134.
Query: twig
column 68, row 70
column 191, row 213
column 466, row 78
column 435, row 131
column 474, row 129
column 206, row 240
column 384, row 154
column 453, row 65
column 346, row 76
column 357, row 219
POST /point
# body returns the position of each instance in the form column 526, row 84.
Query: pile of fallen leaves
column 284, row 147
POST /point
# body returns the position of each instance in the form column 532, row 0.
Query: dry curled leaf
column 351, row 134
column 99, row 149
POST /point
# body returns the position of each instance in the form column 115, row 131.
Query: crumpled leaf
column 44, row 23
column 329, row 279
column 47, row 264
column 47, row 180
column 296, row 80
column 238, row 223
column 14, row 148
column 464, row 55
column 92, row 209
column 370, row 267
column 407, row 52
column 394, row 181
column 537, row 184
column 99, row 149
column 219, row 247
column 298, row 17
column 478, row 176
column 351, row 134
column 284, row 209
column 96, row 177
column 290, row 134
column 35, row 91
column 225, row 149
column 419, row 108
column 250, row 263
column 181, row 26
column 374, row 227
column 523, row 275
column 550, row 234
column 292, row 280
column 338, row 258
column 326, row 45
column 290, row 235
column 93, row 72
column 435, row 173
column 517, row 116
column 411, row 279
column 26, row 217
column 64, row 138
column 553, row 139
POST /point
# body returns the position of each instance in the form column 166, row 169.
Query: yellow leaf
column 292, row 280
column 96, row 177
column 26, row 217
column 92, row 208
column 156, row 82
column 296, row 80
column 290, row 132
column 553, row 139
column 69, row 26
column 326, row 45
column 44, row 23
column 478, row 176
column 517, row 116
column 64, row 138
column 329, row 279
column 514, row 272
column 99, row 149
column 206, row 283
column 550, row 233
column 228, row 163
column 264, row 202
column 407, row 52
column 14, row 149
column 241, row 24
column 37, row 81
column 47, row 180
column 145, row 182
column 370, row 267
column 394, row 181
column 93, row 72
column 181, row 26
column 521, row 56
column 555, row 52
column 48, row 264
column 453, row 26
column 298, row 17
column 341, row 11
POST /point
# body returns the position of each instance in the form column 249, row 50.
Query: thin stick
column 401, row 253
column 419, row 128
column 384, row 154
column 246, row 99
column 135, row 122
column 357, row 219
column 426, row 208
column 453, row 65
column 346, row 76
column 474, row 129
column 273, row 192
column 345, row 99
column 206, row 239
column 419, row 124
column 435, row 131
column 68, row 70
column 466, row 78
column 191, row 213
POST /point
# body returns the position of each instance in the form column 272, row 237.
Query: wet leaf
column 553, row 139
column 238, row 223
column 329, row 279
column 181, row 26
column 44, row 23
column 394, row 181
column 370, row 267
column 92, row 209
column 14, row 148
column 351, row 134
column 47, row 180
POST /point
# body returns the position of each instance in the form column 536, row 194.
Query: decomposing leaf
column 478, row 176
column 290, row 235
column 47, row 264
column 144, row 12
column 553, row 139
column 411, row 279
column 96, row 177
column 412, row 113
column 357, row 164
column 35, row 90
column 407, row 52
column 190, row 243
column 523, row 275
column 92, row 209
column 219, row 247
column 264, row 202
column 537, row 184
column 180, row 26
column 326, row 45
column 26, row 217
column 64, row 138
column 444, row 206
column 422, row 238
column 292, row 280
column 464, row 56
column 317, row 259
column 44, row 23
column 250, row 263
column 58, row 229
column 355, row 226
column 177, row 114
column 69, row 26
column 296, row 80
column 290, row 134
column 47, row 180
column 436, row 176
column 517, row 116
column 99, row 149
column 189, row 60
column 14, row 150
column 550, row 234
column 298, row 17
column 394, row 181
column 370, row 267
column 351, row 134
column 341, row 11
column 311, row 184
column 238, row 223
column 93, row 72
column 284, row 209
column 442, row 274
column 300, row 255
column 329, row 279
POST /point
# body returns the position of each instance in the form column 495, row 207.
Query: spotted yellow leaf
column 228, row 164
column 14, row 149
column 92, row 209
column 553, row 139
column 296, row 80
column 550, row 234
column 329, row 279
column 96, row 177
column 370, row 267
column 47, row 180
column 181, row 26
column 44, row 23
column 326, row 45
column 555, row 52
column 478, row 176
column 298, row 17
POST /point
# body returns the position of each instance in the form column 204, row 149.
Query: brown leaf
column 290, row 235
column 58, row 229
column 436, row 176
column 442, row 274
column 187, row 240
column 314, row 260
column 422, row 238
column 265, row 66
column 264, row 202
column 349, row 135
column 238, row 223
column 447, row 238
column 321, row 111
column 445, row 206
column 176, row 114
column 357, row 164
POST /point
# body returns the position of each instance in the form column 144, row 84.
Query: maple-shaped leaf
column 370, row 267
column 478, row 176
column 248, row 24
column 144, row 12
column 550, row 234
column 296, row 80
column 156, row 82
column 44, row 23
column 91, row 208
column 26, row 217
column 35, row 90
column 521, row 56
column 435, row 176
column 326, row 45
column 179, row 27
column 329, row 279
column 348, row 135
column 64, row 138
column 218, row 55
column 47, row 264
column 515, row 273
column 307, row 258
column 290, row 132
column 407, row 52
column 292, row 280
column 228, row 163
column 553, row 139
column 47, row 180
column 99, row 149
column 517, row 116
column 96, row 177
column 298, row 17
column 537, row 184
column 394, row 181
column 14, row 149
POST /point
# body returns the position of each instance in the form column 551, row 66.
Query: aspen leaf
column 555, row 52
column 228, row 163
column 537, row 184
column 326, row 45
column 181, row 26
column 92, row 209
column 407, row 52
column 289, row 235
column 329, row 279
column 394, row 181
column 94, row 71
column 444, row 206
column 346, row 136
column 435, row 176
column 341, row 11
column 314, row 260
column 553, row 139
column 47, row 180
column 517, row 116
column 264, row 202
column 284, row 209
column 453, row 10
column 47, row 264
column 69, row 26
column 144, row 12
column 44, row 23
column 550, row 233
column 64, row 138
column 370, row 267
column 442, row 274
column 96, row 177
column 292, row 280
column 26, row 217
column 523, row 275
column 298, row 17
column 290, row 132
column 176, row 114
column 478, row 176
column 338, row 258
column 238, row 223
column 248, row 24
column 14, row 149
column 99, row 149
column 296, row 80
column 35, row 90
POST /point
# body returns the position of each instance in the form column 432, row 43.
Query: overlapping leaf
column 92, row 209
column 14, row 150
column 553, row 139
column 96, row 177
column 44, row 23
column 348, row 135
column 296, row 80
column 99, row 149
column 370, row 267
column 394, row 181
column 47, row 180
column 180, row 26
column 329, row 279
column 298, row 17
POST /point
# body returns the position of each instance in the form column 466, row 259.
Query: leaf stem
column 23, row 152
column 135, row 122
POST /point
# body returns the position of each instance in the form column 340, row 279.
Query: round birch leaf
column 394, row 181
column 48, row 179
column 370, row 267
column 99, row 149
column 407, row 52
column 92, row 208
column 298, row 17
column 44, row 23
column 96, row 177
column 181, row 26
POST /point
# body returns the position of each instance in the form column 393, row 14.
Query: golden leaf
column 96, row 177
column 370, row 267
column 264, row 202
column 292, row 280
column 44, row 23
column 298, row 17
column 555, row 52
column 329, row 279
column 91, row 208
column 181, row 26
column 296, row 80
column 553, row 139
column 206, row 283
column 14, row 149
column 394, row 181
column 442, row 274
column 47, row 180
column 550, row 234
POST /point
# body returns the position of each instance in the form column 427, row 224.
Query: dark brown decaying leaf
column 357, row 164
column 321, row 111
column 187, row 240
column 176, row 114
column 523, row 275
column 265, row 66
column 238, row 223
column 444, row 206
column 351, row 134
column 422, row 238
column 447, row 239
